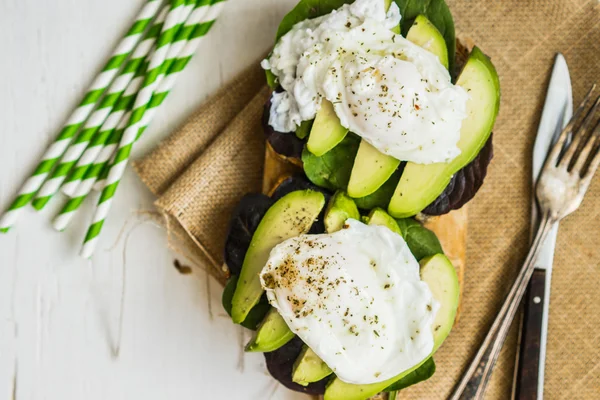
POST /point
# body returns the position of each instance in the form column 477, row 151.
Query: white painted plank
column 60, row 315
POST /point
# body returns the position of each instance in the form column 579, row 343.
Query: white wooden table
column 61, row 335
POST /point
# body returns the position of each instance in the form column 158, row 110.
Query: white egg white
column 355, row 298
column 391, row 92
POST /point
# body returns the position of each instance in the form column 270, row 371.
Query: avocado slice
column 378, row 216
column 340, row 208
column 371, row 169
column 440, row 275
column 290, row 216
column 425, row 34
column 255, row 316
column 326, row 131
column 272, row 333
column 421, row 184
column 309, row 368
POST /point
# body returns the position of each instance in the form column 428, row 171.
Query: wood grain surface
column 125, row 325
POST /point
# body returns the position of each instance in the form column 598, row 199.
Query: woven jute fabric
column 178, row 151
column 198, row 179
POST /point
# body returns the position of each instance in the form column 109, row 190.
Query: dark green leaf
column 332, row 170
column 438, row 13
column 255, row 316
column 407, row 223
column 228, row 293
column 308, row 9
column 420, row 374
column 271, row 79
column 304, row 129
column 421, row 241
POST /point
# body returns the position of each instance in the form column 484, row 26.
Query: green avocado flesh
column 425, row 34
column 326, row 131
column 272, row 333
column 371, row 169
column 309, row 368
column 438, row 272
column 379, row 217
column 340, row 208
column 440, row 275
column 421, row 184
column 290, row 216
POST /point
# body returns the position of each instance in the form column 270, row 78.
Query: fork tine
column 581, row 136
column 583, row 156
column 557, row 149
column 594, row 163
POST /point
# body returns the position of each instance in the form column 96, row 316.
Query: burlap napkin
column 199, row 173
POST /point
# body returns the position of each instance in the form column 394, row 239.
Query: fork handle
column 528, row 369
column 475, row 380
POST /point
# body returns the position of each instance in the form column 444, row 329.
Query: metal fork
column 562, row 184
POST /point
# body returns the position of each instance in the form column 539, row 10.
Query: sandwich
column 377, row 116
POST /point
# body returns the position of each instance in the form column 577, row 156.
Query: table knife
column 531, row 357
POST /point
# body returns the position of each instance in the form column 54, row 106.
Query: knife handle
column 528, row 368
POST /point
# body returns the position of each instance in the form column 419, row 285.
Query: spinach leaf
column 304, row 129
column 272, row 80
column 420, row 374
column 438, row 13
column 255, row 316
column 421, row 241
column 382, row 196
column 308, row 9
column 332, row 169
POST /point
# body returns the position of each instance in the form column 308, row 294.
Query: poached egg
column 355, row 298
column 393, row 93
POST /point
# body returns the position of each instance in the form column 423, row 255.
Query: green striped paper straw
column 130, row 135
column 182, row 35
column 101, row 182
column 95, row 172
column 102, row 114
column 198, row 25
column 69, row 186
column 155, row 71
column 176, row 47
column 108, row 140
column 106, row 149
column 81, row 114
column 203, row 19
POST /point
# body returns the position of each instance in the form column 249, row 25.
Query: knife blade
column 557, row 111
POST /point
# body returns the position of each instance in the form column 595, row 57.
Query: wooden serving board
column 451, row 229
